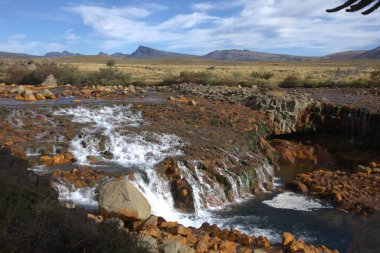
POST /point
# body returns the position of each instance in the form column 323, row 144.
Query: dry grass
column 153, row 71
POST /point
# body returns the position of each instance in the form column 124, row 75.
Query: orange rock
column 302, row 187
column 96, row 218
column 227, row 246
column 29, row 97
column 296, row 245
column 46, row 160
column 92, row 159
column 373, row 165
column 39, row 96
column 244, row 250
column 151, row 222
column 214, row 230
column 191, row 239
column 245, row 240
column 168, row 224
column 263, row 242
column 19, row 98
column 202, row 245
column 154, row 232
column 224, row 234
column 287, row 238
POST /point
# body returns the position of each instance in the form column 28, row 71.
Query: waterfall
column 115, row 130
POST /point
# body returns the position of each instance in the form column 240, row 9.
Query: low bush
column 111, row 63
column 44, row 69
column 292, row 81
column 262, row 75
column 170, row 79
column 66, row 74
column 16, row 73
column 31, row 223
column 70, row 75
column 201, row 77
column 375, row 77
column 107, row 76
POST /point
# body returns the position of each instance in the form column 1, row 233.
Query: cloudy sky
column 187, row 26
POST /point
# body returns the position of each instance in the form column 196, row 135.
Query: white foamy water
column 293, row 201
column 139, row 151
column 114, row 129
column 85, row 196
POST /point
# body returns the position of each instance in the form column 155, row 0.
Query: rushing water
column 115, row 129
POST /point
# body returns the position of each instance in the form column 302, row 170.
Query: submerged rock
column 121, row 199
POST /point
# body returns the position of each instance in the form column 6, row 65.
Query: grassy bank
column 90, row 70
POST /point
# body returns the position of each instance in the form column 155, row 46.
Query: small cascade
column 111, row 134
column 85, row 196
column 264, row 174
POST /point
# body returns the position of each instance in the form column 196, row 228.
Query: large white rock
column 119, row 198
column 49, row 81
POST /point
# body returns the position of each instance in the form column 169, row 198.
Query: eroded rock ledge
column 357, row 192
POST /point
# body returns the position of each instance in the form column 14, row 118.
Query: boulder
column 49, row 82
column 18, row 90
column 287, row 238
column 171, row 246
column 39, row 96
column 30, row 98
column 47, row 94
column 120, row 198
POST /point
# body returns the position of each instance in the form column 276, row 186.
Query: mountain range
column 143, row 52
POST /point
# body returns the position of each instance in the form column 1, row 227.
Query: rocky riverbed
column 190, row 148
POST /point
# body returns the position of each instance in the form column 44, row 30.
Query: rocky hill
column 370, row 54
column 60, row 54
column 143, row 52
column 347, row 55
column 15, row 55
column 246, row 55
column 120, row 55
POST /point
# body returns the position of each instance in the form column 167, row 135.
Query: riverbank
column 192, row 154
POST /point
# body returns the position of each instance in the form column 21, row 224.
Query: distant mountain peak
column 148, row 52
column 247, row 55
column 102, row 54
column 58, row 54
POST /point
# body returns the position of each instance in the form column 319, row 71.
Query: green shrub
column 375, row 78
column 262, row 75
column 201, row 77
column 292, row 81
column 170, row 79
column 110, row 63
column 108, row 76
column 44, row 69
column 16, row 73
column 70, row 75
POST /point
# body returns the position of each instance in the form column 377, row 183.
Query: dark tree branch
column 356, row 5
column 372, row 9
column 341, row 7
column 360, row 5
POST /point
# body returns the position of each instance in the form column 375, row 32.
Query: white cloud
column 186, row 21
column 71, row 37
column 19, row 43
column 205, row 6
column 263, row 25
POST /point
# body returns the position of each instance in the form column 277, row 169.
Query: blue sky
column 198, row 27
